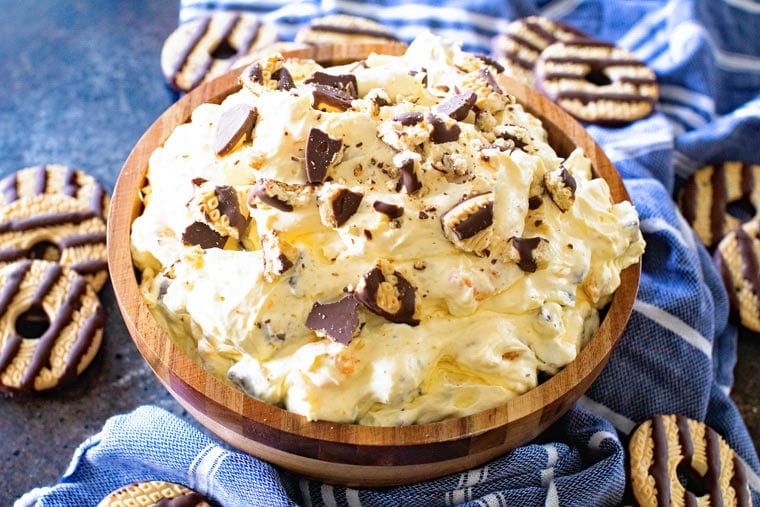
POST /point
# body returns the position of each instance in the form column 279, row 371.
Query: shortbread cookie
column 149, row 493
column 675, row 460
column 51, row 325
column 719, row 197
column 523, row 40
column 55, row 179
column 343, row 28
column 56, row 228
column 596, row 82
column 206, row 47
column 738, row 260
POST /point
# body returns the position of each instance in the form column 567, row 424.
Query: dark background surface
column 79, row 83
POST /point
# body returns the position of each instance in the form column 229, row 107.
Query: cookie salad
column 384, row 243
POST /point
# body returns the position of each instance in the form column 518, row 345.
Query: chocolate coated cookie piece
column 51, row 325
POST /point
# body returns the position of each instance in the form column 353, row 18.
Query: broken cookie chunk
column 457, row 106
column 337, row 204
column 338, row 321
column 235, row 124
column 530, row 254
column 468, row 224
column 279, row 256
column 343, row 82
column 278, row 194
column 385, row 292
column 561, row 187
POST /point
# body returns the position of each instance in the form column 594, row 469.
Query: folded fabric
column 678, row 351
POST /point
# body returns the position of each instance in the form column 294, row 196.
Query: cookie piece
column 148, row 493
column 738, row 260
column 676, row 459
column 56, row 228
column 720, row 197
column 596, row 82
column 344, row 28
column 523, row 40
column 51, row 325
column 203, row 48
column 55, row 179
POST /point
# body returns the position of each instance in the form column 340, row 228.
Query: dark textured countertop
column 80, row 83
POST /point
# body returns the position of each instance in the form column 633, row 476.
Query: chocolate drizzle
column 44, row 345
column 10, row 290
column 46, row 220
column 183, row 55
column 659, row 467
column 749, row 259
column 352, row 30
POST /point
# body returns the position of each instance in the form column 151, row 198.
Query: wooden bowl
column 345, row 453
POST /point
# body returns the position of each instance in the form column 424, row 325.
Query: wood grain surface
column 345, row 453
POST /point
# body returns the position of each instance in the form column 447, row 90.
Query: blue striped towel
column 678, row 351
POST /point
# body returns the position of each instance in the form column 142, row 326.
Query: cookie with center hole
column 738, row 260
column 344, row 28
column 56, row 228
column 718, row 198
column 597, row 82
column 159, row 493
column 55, row 179
column 675, row 460
column 518, row 47
column 51, row 325
column 206, row 47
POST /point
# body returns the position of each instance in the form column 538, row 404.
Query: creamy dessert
column 383, row 243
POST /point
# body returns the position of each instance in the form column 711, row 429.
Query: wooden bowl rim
column 180, row 369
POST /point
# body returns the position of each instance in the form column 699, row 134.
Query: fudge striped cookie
column 55, row 179
column 738, row 259
column 51, row 325
column 344, row 28
column 719, row 197
column 206, row 47
column 150, row 493
column 596, row 82
column 523, row 40
column 674, row 460
column 56, row 228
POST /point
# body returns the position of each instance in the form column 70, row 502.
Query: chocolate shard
column 409, row 118
column 321, row 152
column 229, row 206
column 279, row 255
column 338, row 205
column 202, row 235
column 385, row 292
column 388, row 209
column 457, row 106
column 408, row 179
column 339, row 321
column 442, row 133
column 276, row 194
column 256, row 74
column 235, row 123
column 284, row 79
column 327, row 98
column 343, row 82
